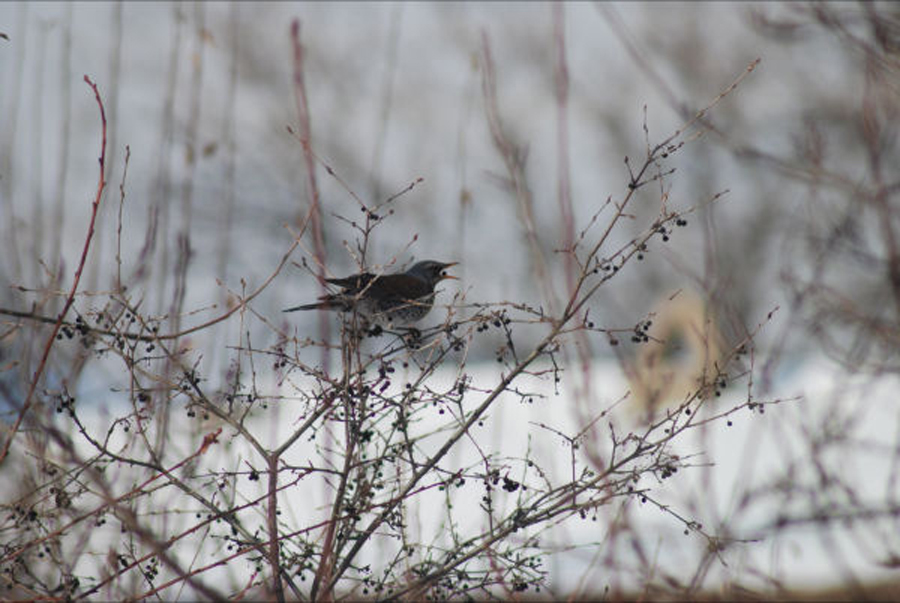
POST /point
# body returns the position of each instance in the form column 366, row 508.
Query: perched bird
column 387, row 300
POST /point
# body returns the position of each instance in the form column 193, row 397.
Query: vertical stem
column 312, row 187
column 514, row 160
column 274, row 551
column 328, row 560
column 563, row 187
column 59, row 214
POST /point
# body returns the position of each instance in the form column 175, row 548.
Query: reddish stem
column 101, row 184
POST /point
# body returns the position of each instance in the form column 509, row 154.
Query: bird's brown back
column 397, row 287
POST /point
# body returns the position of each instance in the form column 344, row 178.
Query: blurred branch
column 514, row 159
column 312, row 188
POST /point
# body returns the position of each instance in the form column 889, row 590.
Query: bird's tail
column 303, row 307
column 323, row 304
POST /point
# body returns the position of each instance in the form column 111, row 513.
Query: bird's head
column 431, row 272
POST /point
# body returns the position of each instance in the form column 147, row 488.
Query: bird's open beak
column 444, row 274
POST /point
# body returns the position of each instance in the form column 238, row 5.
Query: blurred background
column 202, row 95
column 801, row 158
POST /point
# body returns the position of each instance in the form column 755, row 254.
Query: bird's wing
column 352, row 284
column 398, row 287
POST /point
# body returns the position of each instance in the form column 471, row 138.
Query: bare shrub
column 186, row 480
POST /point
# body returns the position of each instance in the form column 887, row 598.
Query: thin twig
column 95, row 205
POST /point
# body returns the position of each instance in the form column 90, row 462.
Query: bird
column 386, row 300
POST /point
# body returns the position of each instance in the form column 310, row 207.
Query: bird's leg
column 355, row 325
column 413, row 337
